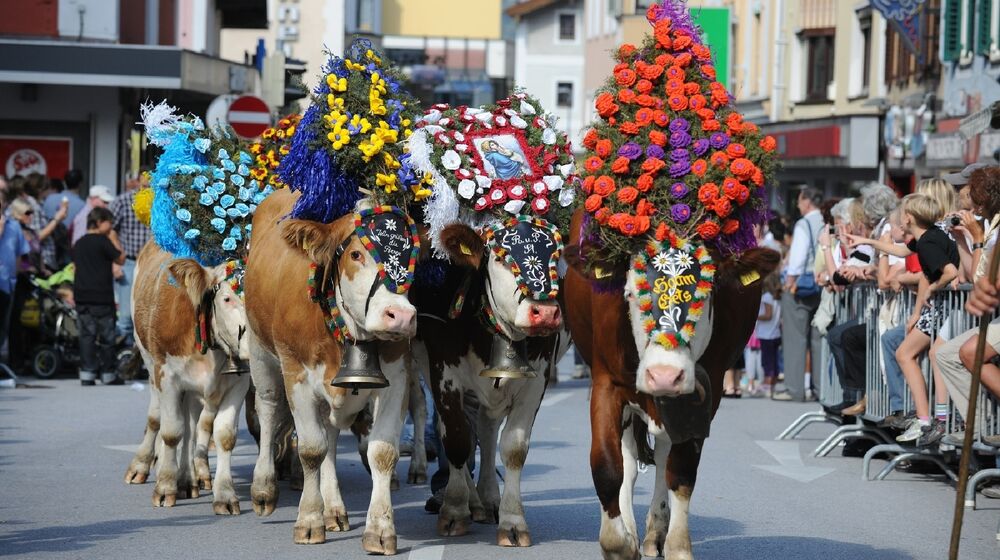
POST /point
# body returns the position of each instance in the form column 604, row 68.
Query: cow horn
column 507, row 361
column 359, row 367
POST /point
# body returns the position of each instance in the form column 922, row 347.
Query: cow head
column 668, row 287
column 518, row 259
column 368, row 259
column 217, row 293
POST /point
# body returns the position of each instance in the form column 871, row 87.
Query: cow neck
column 323, row 291
column 488, row 316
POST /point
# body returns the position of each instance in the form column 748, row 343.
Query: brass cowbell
column 359, row 367
column 507, row 360
column 235, row 366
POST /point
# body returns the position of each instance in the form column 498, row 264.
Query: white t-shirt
column 893, row 259
column 771, row 328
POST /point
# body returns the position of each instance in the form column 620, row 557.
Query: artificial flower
column 593, row 164
column 626, row 96
column 604, row 185
column 627, row 195
column 644, row 182
column 708, row 229
column 681, row 213
column 658, row 138
column 620, row 165
column 768, row 143
column 593, row 202
column 730, row 226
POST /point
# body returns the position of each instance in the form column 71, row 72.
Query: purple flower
column 680, row 139
column 719, row 140
column 701, row 146
column 680, row 125
column 631, row 150
column 680, row 168
column 678, row 190
column 680, row 213
column 654, row 151
column 680, row 154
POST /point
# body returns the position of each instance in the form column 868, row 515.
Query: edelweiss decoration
column 670, row 153
column 390, row 236
column 203, row 193
column 492, row 163
column 531, row 247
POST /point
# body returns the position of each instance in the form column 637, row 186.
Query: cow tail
column 643, row 451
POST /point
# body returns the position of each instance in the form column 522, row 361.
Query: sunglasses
column 29, row 212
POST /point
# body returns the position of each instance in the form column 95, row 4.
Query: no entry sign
column 249, row 116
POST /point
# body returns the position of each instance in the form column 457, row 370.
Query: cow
column 458, row 348
column 640, row 387
column 294, row 357
column 191, row 400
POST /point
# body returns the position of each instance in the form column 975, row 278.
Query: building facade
column 73, row 73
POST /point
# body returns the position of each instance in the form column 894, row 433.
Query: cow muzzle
column 396, row 322
column 540, row 318
column 666, row 381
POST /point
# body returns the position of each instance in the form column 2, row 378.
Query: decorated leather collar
column 531, row 248
column 673, row 278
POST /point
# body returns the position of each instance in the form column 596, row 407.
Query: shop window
column 819, row 62
column 952, row 28
column 564, row 94
column 983, row 20
column 866, row 49
column 567, row 27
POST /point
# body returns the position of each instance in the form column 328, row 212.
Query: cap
column 101, row 192
column 961, row 178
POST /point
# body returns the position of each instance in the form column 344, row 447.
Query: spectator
column 13, row 247
column 41, row 223
column 798, row 335
column 73, row 179
column 100, row 196
column 93, row 289
column 768, row 331
column 133, row 235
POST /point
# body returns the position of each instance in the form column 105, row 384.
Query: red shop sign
column 23, row 155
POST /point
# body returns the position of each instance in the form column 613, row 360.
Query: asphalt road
column 64, row 450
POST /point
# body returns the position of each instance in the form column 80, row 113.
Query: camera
column 955, row 220
column 833, row 230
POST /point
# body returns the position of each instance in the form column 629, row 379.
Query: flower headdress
column 491, row 163
column 202, row 193
column 669, row 154
column 268, row 151
column 351, row 138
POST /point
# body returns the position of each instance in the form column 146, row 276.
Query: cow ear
column 192, row 277
column 463, row 245
column 316, row 240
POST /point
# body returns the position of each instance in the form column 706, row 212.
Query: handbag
column 805, row 284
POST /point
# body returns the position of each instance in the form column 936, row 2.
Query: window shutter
column 952, row 28
column 983, row 27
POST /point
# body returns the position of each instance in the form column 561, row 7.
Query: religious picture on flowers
column 502, row 157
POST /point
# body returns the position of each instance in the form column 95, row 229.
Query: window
column 983, row 23
column 952, row 27
column 819, row 46
column 564, row 94
column 567, row 27
column 366, row 16
column 866, row 50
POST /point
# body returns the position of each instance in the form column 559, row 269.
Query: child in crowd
column 768, row 330
column 94, row 291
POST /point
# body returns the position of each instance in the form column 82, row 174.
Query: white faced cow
column 295, row 356
column 190, row 400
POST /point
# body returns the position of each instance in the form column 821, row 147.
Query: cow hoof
column 136, row 476
column 231, row 507
column 680, row 555
column 513, row 537
column 452, row 527
column 309, row 533
column 205, row 484
column 623, row 553
column 479, row 515
column 374, row 543
column 185, row 492
column 416, row 478
column 264, row 497
column 337, row 521
column 489, row 514
column 164, row 500
column 652, row 545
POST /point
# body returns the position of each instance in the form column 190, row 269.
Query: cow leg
column 456, row 436
column 206, row 421
column 224, row 499
column 334, row 510
column 682, row 470
column 613, row 467
column 659, row 510
column 171, row 431
column 418, row 411
column 187, row 484
column 138, row 469
column 313, row 446
column 272, row 412
column 488, row 488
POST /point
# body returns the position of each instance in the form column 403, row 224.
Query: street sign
column 249, row 116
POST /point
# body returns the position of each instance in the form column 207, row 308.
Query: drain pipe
column 780, row 44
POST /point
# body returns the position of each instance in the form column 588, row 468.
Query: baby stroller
column 52, row 301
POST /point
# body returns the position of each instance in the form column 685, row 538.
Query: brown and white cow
column 294, row 357
column 639, row 387
column 190, row 400
column 456, row 351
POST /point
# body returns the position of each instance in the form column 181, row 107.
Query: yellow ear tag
column 305, row 246
column 600, row 273
column 465, row 249
column 750, row 277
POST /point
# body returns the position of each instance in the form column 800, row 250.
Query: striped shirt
column 131, row 232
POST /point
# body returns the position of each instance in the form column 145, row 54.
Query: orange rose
column 603, row 148
column 719, row 159
column 588, row 184
column 699, row 167
column 625, row 77
column 731, row 187
column 617, row 219
column 708, row 193
column 681, row 41
column 604, row 185
column 708, row 229
column 653, row 165
column 708, row 71
column 723, row 207
column 697, row 102
column 743, row 194
column 605, row 105
column 720, row 97
column 664, row 60
column 644, row 208
column 683, row 59
column 661, row 118
column 691, row 88
column 590, row 139
column 701, row 52
column 632, row 225
column 736, row 150
column 705, row 114
column 730, row 227
column 647, row 100
column 593, row 164
column 674, row 87
column 593, row 202
column 644, row 183
column 620, row 66
column 626, row 50
column 629, row 128
column 644, row 86
column 620, row 166
column 661, row 30
column 661, row 232
column 742, row 168
column 677, row 102
column 644, row 116
column 658, row 138
column 711, row 125
column 750, row 128
column 602, row 215
column 734, row 119
column 650, row 71
column 627, row 195
column 757, row 178
column 626, row 96
column 675, row 72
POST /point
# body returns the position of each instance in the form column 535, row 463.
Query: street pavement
column 64, row 450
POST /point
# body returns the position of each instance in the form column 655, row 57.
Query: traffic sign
column 249, row 116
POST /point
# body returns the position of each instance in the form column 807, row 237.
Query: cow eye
column 226, row 299
column 355, row 255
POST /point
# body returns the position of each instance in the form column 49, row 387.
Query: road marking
column 132, row 448
column 556, row 399
column 787, row 454
column 428, row 553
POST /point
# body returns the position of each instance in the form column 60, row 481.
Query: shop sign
column 24, row 155
column 942, row 148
